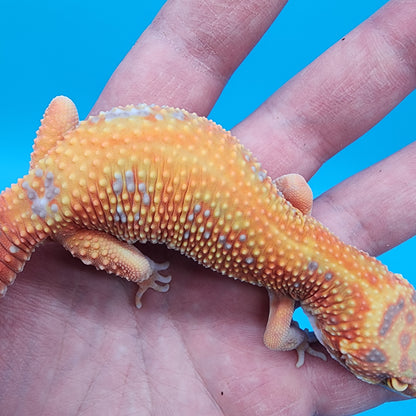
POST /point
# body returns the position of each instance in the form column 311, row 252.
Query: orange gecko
column 149, row 173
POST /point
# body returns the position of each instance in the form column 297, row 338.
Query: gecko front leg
column 105, row 252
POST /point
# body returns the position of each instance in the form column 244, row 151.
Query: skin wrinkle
column 317, row 403
column 319, row 124
column 84, row 403
column 124, row 385
column 59, row 357
column 160, row 86
column 286, row 129
column 393, row 34
column 394, row 66
column 386, row 75
column 186, row 49
column 193, row 363
column 358, row 225
column 150, row 404
column 213, row 52
column 106, row 353
column 144, row 371
column 155, row 399
column 203, row 382
column 356, row 97
column 343, row 403
column 145, row 375
column 209, row 71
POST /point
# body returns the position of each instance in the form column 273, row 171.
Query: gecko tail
column 16, row 241
column 12, row 260
column 9, row 267
column 19, row 232
column 7, row 278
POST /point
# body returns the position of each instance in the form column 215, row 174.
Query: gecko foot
column 284, row 334
column 155, row 281
column 305, row 347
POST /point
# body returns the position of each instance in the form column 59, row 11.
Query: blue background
column 71, row 47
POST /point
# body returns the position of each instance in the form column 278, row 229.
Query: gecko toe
column 304, row 348
column 163, row 279
column 155, row 281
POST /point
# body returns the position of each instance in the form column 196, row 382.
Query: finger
column 188, row 53
column 385, row 190
column 339, row 96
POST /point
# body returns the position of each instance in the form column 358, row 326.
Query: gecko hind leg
column 106, row 252
column 283, row 334
column 296, row 190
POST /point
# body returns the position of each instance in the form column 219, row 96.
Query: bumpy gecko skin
column 149, row 173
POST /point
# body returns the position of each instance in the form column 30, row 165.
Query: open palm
column 72, row 341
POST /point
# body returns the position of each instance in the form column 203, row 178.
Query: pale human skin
column 72, row 341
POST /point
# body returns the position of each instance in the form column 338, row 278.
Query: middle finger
column 337, row 98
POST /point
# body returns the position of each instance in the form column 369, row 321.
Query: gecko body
column 159, row 174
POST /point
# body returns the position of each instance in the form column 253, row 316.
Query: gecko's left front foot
column 305, row 346
column 283, row 334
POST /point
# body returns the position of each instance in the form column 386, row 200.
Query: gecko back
column 149, row 173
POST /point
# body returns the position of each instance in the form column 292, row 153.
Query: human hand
column 80, row 345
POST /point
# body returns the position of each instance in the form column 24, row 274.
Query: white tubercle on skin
column 142, row 110
column 40, row 203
